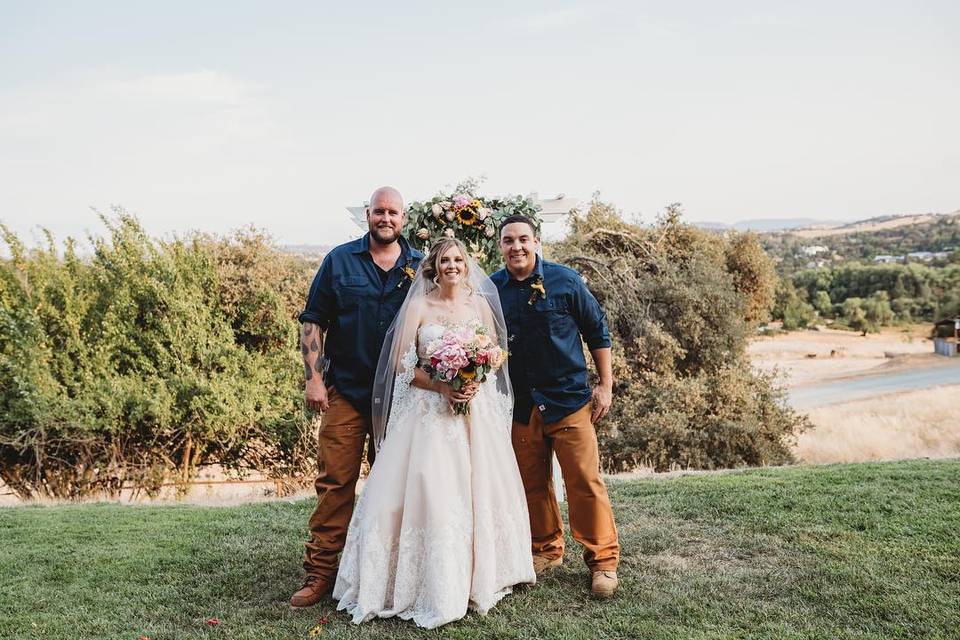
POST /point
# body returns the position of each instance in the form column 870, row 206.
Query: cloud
column 559, row 19
column 159, row 109
column 195, row 87
column 181, row 143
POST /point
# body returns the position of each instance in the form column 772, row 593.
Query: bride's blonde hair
column 431, row 264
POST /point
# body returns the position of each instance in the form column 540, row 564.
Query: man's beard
column 375, row 234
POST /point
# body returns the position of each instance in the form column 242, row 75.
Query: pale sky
column 215, row 115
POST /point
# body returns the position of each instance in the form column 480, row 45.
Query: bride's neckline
column 446, row 323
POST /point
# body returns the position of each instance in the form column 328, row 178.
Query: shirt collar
column 536, row 273
column 363, row 244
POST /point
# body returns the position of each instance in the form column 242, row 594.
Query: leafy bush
column 866, row 316
column 789, row 307
column 147, row 360
column 681, row 304
column 914, row 292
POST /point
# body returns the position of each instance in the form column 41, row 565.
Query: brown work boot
column 605, row 584
column 543, row 563
column 312, row 592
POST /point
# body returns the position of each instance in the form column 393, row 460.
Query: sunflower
column 469, row 372
column 467, row 216
column 537, row 287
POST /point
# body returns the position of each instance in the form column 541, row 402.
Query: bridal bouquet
column 463, row 354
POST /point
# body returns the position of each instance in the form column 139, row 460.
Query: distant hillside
column 767, row 224
column 879, row 223
column 930, row 237
column 308, row 251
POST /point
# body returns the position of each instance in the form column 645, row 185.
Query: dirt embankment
column 807, row 357
column 914, row 424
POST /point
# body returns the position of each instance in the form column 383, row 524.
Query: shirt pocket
column 350, row 292
column 552, row 315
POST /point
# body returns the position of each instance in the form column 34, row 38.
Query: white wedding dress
column 442, row 522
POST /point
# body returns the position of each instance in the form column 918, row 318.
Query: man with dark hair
column 548, row 308
column 354, row 296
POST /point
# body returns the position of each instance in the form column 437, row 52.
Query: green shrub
column 791, row 309
column 681, row 305
column 914, row 292
column 146, row 360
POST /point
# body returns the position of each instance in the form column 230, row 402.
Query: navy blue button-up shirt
column 355, row 306
column 547, row 367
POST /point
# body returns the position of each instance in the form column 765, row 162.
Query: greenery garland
column 471, row 218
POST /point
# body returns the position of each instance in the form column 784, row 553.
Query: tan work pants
column 591, row 519
column 342, row 433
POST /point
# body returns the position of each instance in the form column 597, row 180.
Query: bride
column 442, row 522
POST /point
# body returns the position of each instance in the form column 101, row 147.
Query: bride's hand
column 453, row 396
column 470, row 389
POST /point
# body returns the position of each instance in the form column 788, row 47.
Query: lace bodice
column 426, row 334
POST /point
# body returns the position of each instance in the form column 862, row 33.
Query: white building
column 813, row 250
column 887, row 259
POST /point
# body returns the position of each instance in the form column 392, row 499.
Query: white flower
column 423, row 233
column 482, row 213
column 437, row 210
column 450, row 216
column 448, row 232
column 489, row 232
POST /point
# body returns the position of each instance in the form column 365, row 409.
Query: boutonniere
column 409, row 273
column 538, row 288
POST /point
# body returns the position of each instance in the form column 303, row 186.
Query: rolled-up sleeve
column 321, row 301
column 590, row 317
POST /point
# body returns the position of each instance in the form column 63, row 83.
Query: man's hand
column 602, row 399
column 603, row 392
column 316, row 394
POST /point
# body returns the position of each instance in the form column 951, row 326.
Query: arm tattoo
column 310, row 350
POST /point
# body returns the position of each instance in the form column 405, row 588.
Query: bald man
column 356, row 293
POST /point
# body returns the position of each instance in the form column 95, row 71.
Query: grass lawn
column 844, row 551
